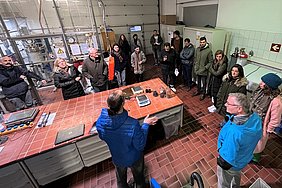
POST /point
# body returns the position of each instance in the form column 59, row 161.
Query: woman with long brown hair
column 216, row 72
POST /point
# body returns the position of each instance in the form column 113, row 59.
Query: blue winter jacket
column 124, row 136
column 236, row 143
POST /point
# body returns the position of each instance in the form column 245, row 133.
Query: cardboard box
column 168, row 19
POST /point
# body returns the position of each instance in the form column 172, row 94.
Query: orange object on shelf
column 111, row 67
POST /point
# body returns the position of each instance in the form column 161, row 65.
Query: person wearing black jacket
column 67, row 77
column 156, row 42
column 120, row 65
column 168, row 63
column 216, row 72
column 124, row 46
column 14, row 86
column 177, row 45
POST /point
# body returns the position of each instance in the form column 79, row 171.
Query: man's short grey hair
column 241, row 100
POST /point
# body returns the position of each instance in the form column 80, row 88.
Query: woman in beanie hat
column 267, row 102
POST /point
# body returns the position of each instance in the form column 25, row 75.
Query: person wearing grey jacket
column 187, row 60
column 95, row 69
column 203, row 60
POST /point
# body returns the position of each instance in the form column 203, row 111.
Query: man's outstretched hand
column 151, row 121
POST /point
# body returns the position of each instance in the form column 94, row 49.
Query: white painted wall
column 254, row 25
column 168, row 7
column 181, row 4
column 258, row 15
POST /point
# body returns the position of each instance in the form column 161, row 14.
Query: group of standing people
column 95, row 69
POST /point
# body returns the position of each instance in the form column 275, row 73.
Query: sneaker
column 173, row 89
column 210, row 107
column 256, row 157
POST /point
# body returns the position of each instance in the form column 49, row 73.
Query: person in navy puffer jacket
column 126, row 139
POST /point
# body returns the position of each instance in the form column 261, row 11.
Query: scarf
column 118, row 55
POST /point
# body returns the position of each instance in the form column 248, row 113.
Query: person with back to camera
column 267, row 102
column 67, row 77
column 233, row 82
column 237, row 140
column 126, row 139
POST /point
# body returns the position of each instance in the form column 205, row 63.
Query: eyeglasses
column 227, row 103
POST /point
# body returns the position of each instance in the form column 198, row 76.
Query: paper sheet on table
column 43, row 118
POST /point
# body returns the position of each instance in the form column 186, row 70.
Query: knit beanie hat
column 272, row 80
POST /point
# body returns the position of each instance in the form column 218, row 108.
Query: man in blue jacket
column 237, row 140
column 126, row 139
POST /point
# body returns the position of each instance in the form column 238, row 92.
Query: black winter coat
column 169, row 65
column 229, row 86
column 70, row 87
column 12, row 85
column 215, row 75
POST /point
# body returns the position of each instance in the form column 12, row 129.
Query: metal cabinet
column 13, row 176
column 55, row 164
column 215, row 37
column 93, row 150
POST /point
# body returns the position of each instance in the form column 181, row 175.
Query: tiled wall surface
column 259, row 42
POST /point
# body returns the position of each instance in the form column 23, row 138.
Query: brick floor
column 172, row 161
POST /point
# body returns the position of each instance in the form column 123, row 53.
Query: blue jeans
column 138, row 174
column 121, row 77
column 187, row 74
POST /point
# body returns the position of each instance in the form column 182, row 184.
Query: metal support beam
column 95, row 25
column 62, row 27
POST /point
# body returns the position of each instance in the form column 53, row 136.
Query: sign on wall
column 275, row 47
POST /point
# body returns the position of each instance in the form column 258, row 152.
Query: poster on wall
column 75, row 49
column 60, row 52
column 84, row 48
column 198, row 35
column 94, row 41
